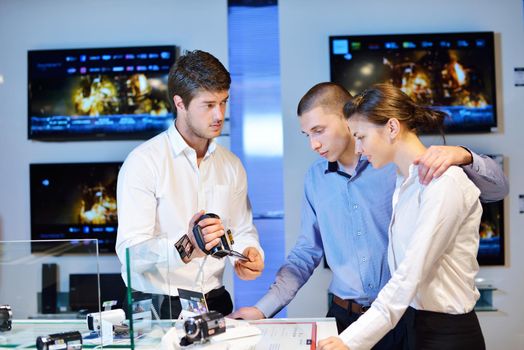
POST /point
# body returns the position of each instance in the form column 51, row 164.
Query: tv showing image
column 106, row 93
column 491, row 245
column 452, row 72
column 74, row 201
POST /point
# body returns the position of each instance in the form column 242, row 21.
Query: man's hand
column 248, row 313
column 212, row 230
column 437, row 159
column 249, row 270
column 332, row 343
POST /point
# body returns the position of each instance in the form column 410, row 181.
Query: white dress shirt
column 160, row 187
column 433, row 244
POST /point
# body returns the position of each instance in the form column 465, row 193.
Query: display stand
column 485, row 302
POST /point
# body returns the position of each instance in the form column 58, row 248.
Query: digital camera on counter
column 200, row 328
column 220, row 250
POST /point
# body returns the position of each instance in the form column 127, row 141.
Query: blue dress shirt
column 346, row 218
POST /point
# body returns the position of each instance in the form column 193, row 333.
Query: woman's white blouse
column 433, row 244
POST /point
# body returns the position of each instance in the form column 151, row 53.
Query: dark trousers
column 217, row 300
column 435, row 330
column 396, row 339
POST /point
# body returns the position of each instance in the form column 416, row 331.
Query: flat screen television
column 106, row 93
column 491, row 245
column 74, row 201
column 453, row 72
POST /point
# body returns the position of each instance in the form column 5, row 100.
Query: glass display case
column 147, row 276
column 41, row 288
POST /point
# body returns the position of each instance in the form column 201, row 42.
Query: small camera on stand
column 200, row 328
column 224, row 248
column 115, row 317
column 94, row 320
column 6, row 317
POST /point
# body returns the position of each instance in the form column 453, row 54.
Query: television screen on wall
column 452, row 72
column 74, row 201
column 491, row 245
column 106, row 93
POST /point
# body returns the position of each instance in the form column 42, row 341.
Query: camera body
column 6, row 317
column 59, row 341
column 200, row 328
column 222, row 249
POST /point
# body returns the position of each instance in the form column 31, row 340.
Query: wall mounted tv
column 453, row 72
column 74, row 201
column 491, row 245
column 106, row 93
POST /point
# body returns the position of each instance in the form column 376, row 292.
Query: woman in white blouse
column 433, row 234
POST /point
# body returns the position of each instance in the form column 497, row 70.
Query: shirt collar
column 334, row 167
column 180, row 145
column 412, row 176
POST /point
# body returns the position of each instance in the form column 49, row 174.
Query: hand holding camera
column 207, row 236
column 207, row 231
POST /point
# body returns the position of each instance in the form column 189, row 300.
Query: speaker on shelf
column 49, row 288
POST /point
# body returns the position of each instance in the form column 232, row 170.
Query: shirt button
column 370, row 285
column 355, row 206
column 359, row 233
column 363, row 259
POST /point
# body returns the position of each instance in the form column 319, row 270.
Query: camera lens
column 191, row 328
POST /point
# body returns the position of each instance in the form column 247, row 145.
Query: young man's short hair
column 330, row 96
column 194, row 71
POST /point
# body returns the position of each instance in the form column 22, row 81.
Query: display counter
column 295, row 333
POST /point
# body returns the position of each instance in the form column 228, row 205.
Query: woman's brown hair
column 382, row 102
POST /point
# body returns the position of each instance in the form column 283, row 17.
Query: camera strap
column 230, row 252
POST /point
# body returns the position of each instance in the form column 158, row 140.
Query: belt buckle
column 364, row 309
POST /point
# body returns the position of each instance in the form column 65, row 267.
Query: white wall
column 55, row 24
column 304, row 28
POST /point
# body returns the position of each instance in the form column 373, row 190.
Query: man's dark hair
column 194, row 71
column 330, row 96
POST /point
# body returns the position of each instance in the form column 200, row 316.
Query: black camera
column 223, row 248
column 200, row 328
column 6, row 317
column 59, row 341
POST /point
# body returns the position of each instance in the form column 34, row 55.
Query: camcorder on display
column 200, row 328
column 59, row 341
column 6, row 317
column 220, row 250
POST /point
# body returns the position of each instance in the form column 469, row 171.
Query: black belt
column 214, row 293
column 350, row 305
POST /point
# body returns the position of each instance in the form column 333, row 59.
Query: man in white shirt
column 171, row 180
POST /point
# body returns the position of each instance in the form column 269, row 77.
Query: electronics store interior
column 288, row 117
